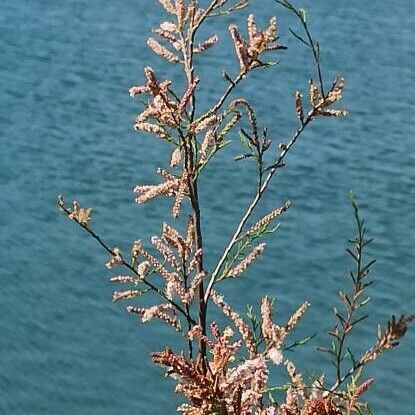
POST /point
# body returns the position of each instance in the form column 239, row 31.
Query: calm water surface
column 65, row 119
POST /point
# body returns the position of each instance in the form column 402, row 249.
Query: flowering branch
column 229, row 373
column 84, row 224
column 320, row 103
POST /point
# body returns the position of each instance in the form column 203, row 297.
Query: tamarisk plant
column 226, row 370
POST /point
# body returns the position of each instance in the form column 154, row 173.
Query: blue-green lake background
column 65, row 127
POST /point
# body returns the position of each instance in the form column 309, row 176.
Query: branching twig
column 352, row 302
column 313, row 45
column 261, row 190
column 126, row 264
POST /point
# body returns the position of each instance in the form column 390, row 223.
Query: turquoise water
column 66, row 118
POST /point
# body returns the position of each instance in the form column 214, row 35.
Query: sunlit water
column 66, row 118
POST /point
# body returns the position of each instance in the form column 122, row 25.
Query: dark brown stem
column 194, row 198
column 187, row 307
column 188, row 51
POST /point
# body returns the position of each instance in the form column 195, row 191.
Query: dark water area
column 66, row 119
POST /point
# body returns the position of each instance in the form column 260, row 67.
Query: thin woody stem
column 225, row 95
column 230, row 88
column 127, row 265
column 352, row 307
column 199, row 246
column 261, row 190
column 232, row 84
column 193, row 183
column 188, row 52
column 346, row 376
column 188, row 162
column 315, row 56
column 313, row 46
column 187, row 307
column 190, row 321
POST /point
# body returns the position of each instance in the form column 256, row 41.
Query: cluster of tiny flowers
column 164, row 312
column 259, row 41
column 246, row 262
column 125, row 295
column 388, row 338
column 115, row 259
column 228, row 373
column 78, row 213
column 267, row 219
column 173, row 186
column 243, row 328
column 251, row 377
column 237, row 387
column 273, row 334
column 123, row 279
column 321, row 104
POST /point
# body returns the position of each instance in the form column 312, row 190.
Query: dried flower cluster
column 78, row 214
column 259, row 41
column 389, row 337
column 227, row 386
column 230, row 370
